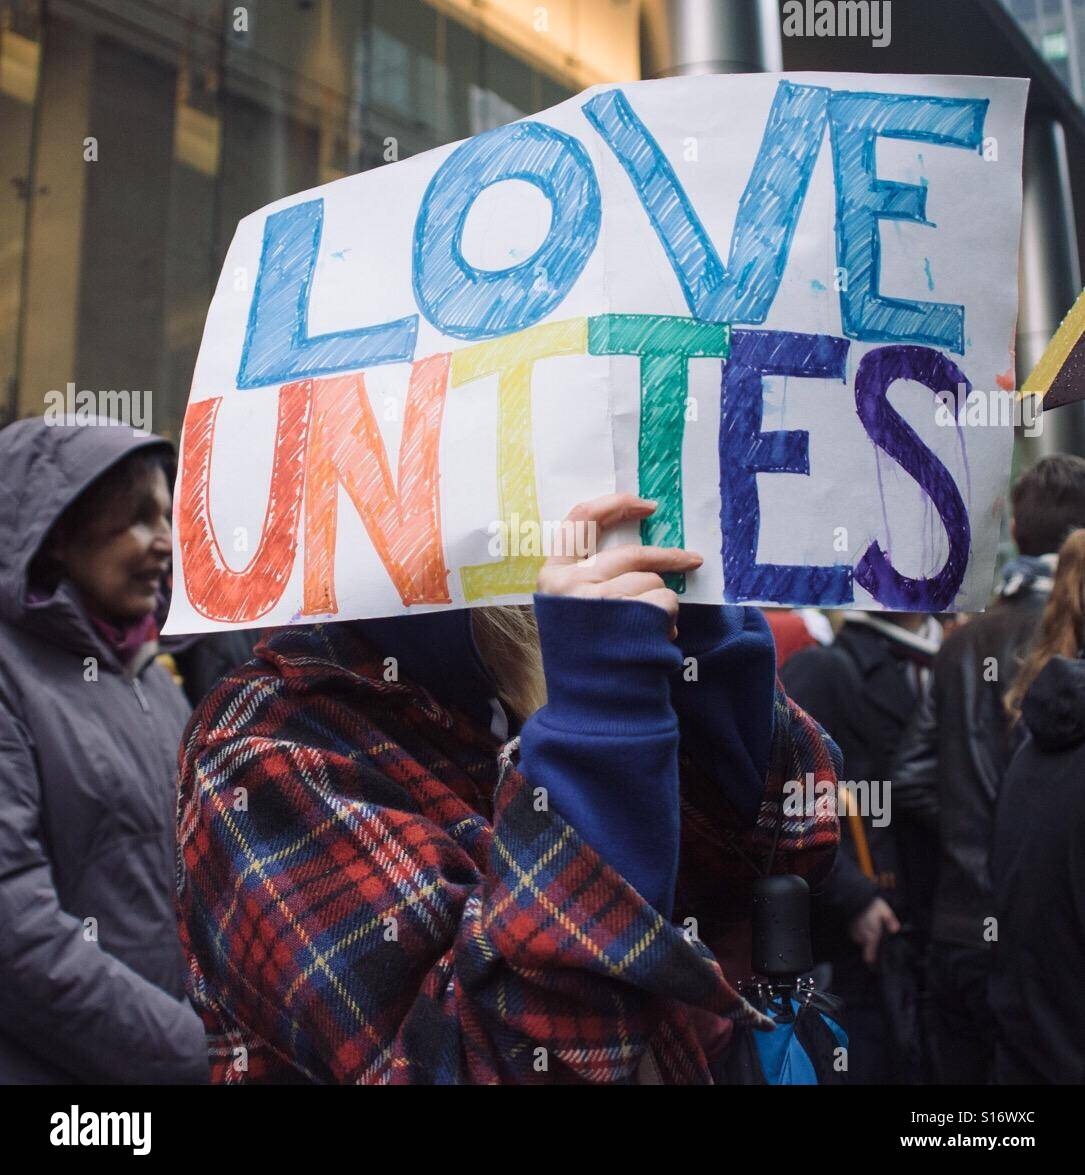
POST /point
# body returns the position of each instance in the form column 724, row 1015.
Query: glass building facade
column 1057, row 29
column 136, row 133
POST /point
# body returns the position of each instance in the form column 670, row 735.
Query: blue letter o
column 470, row 303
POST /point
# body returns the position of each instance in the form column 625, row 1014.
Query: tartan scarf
column 370, row 892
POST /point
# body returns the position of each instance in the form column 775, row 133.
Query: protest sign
column 761, row 300
column 1059, row 377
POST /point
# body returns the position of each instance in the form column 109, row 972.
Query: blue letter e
column 746, row 451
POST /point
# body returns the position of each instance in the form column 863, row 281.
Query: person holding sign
column 373, row 886
column 378, row 885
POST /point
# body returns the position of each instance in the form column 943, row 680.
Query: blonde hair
column 508, row 641
column 1062, row 629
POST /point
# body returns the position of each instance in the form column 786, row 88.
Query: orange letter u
column 214, row 588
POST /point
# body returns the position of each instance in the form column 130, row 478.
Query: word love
column 465, row 302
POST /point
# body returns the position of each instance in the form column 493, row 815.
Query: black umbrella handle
column 781, row 928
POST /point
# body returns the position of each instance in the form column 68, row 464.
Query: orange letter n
column 345, row 446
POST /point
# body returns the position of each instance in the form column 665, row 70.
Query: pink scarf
column 128, row 639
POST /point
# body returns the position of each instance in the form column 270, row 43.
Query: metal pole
column 1073, row 52
column 11, row 408
column 683, row 37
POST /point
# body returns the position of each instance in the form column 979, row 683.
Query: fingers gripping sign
column 628, row 571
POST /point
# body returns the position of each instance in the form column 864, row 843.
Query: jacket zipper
column 140, row 695
column 145, row 706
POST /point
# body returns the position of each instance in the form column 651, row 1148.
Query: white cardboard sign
column 783, row 306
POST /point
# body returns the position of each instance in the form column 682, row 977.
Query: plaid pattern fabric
column 368, row 893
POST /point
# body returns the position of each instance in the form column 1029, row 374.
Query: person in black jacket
column 862, row 689
column 955, row 755
column 1038, row 856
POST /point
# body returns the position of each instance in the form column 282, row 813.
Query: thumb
column 870, row 949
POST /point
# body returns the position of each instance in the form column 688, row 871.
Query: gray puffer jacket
column 91, row 981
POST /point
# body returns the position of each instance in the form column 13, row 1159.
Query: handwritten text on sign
column 740, row 296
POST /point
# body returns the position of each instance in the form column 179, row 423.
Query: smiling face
column 115, row 545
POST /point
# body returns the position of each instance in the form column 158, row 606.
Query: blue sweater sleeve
column 724, row 696
column 605, row 746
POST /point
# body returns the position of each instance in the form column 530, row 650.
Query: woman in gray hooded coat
column 91, row 984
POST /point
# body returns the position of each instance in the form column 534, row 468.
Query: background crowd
column 952, row 922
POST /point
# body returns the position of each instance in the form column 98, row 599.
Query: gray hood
column 43, row 469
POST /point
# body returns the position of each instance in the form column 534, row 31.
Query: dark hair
column 1049, row 502
column 110, row 493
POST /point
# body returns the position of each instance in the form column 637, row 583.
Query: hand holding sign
column 628, row 572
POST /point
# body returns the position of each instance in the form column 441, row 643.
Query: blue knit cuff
column 607, row 663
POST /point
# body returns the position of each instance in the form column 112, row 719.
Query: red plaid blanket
column 368, row 894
